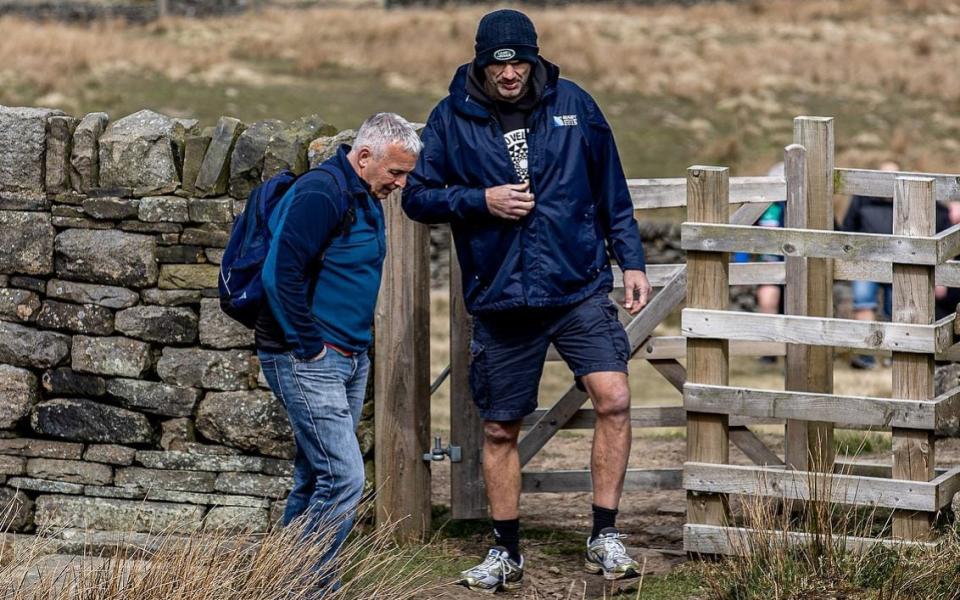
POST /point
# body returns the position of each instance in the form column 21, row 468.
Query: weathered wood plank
column 948, row 244
column 791, row 484
column 707, row 359
column 816, row 331
column 467, row 498
column 739, row 541
column 914, row 213
column 645, row 416
column 948, row 273
column 672, row 371
column 810, row 243
column 402, row 377
column 753, row 447
column 663, row 193
column 867, row 182
column 948, row 484
column 810, row 406
column 636, row 480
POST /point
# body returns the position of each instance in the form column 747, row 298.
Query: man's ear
column 363, row 156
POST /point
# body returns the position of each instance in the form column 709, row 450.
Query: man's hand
column 636, row 290
column 510, row 201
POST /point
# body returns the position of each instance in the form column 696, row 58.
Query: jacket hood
column 468, row 98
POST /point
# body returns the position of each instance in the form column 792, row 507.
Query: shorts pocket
column 479, row 386
column 621, row 343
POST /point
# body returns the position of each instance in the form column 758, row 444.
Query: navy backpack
column 240, row 283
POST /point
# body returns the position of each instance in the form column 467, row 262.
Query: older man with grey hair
column 321, row 277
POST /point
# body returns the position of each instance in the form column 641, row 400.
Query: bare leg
column 612, row 435
column 501, row 468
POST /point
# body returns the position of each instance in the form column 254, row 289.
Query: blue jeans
column 865, row 296
column 323, row 399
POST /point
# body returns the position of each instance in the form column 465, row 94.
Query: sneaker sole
column 508, row 587
column 591, row 567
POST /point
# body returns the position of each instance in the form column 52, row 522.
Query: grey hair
column 382, row 129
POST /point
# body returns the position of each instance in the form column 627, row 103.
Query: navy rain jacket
column 557, row 254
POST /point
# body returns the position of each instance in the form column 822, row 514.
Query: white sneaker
column 497, row 572
column 606, row 554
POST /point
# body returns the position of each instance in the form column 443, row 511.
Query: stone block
column 194, row 149
column 288, row 149
column 79, row 223
column 26, row 347
column 158, row 479
column 109, row 296
column 18, row 394
column 366, row 436
column 84, row 156
column 41, row 448
column 170, row 297
column 111, row 454
column 34, row 284
column 64, row 381
column 164, row 209
column 77, row 318
column 276, row 512
column 211, row 210
column 163, row 229
column 12, row 465
column 82, row 420
column 210, row 369
column 45, row 485
column 18, row 202
column 19, row 305
column 106, row 257
column 118, row 356
column 253, row 484
column 214, row 174
column 277, row 467
column 198, row 462
column 214, row 235
column 71, row 471
column 55, row 512
column 61, row 210
column 158, row 324
column 176, row 433
column 59, row 147
column 253, row 421
column 16, row 511
column 213, row 255
column 23, row 137
column 26, row 242
column 154, row 397
column 217, row 330
column 325, row 146
column 237, row 519
column 161, row 495
column 180, row 254
column 141, row 151
column 112, row 208
column 190, row 277
column 246, row 162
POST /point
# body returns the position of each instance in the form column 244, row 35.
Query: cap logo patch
column 504, row 54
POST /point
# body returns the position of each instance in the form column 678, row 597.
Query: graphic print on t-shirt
column 517, row 149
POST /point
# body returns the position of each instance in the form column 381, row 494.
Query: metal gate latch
column 438, row 453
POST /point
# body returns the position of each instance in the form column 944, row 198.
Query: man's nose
column 509, row 72
column 400, row 181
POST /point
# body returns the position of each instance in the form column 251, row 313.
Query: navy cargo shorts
column 509, row 348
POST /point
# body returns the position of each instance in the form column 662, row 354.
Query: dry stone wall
column 128, row 400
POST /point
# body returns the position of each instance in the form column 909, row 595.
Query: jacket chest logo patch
column 565, row 121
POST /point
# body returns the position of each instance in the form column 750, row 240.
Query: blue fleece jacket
column 321, row 290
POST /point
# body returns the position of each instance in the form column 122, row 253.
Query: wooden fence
column 714, row 413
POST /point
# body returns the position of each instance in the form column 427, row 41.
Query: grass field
column 714, row 84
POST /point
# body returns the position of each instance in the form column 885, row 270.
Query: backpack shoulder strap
column 337, row 175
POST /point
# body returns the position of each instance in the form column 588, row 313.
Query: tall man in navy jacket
column 321, row 275
column 523, row 166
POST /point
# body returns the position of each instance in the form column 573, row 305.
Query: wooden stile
column 707, row 359
column 913, row 302
column 402, row 377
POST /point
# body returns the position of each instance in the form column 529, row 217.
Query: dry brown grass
column 735, row 51
column 223, row 566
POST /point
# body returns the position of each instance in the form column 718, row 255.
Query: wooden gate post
column 914, row 214
column 467, row 499
column 708, row 191
column 402, row 376
column 809, row 289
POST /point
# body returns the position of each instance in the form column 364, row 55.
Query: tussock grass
column 224, row 565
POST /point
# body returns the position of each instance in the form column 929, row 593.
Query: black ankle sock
column 507, row 534
column 603, row 518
